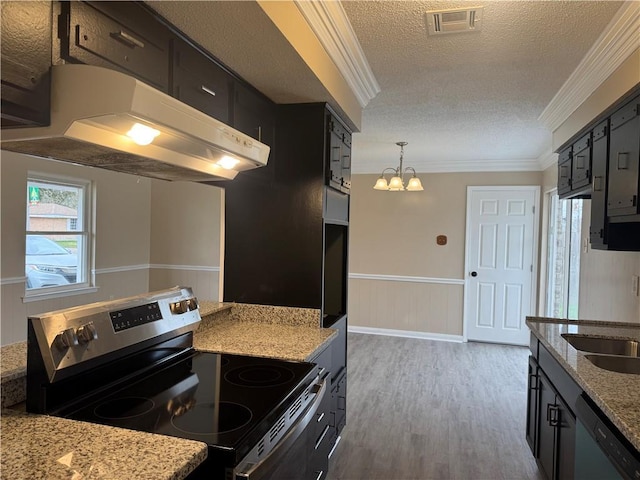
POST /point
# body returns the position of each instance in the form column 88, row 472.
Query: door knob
column 474, row 274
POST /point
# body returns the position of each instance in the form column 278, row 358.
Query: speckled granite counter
column 264, row 331
column 43, row 447
column 13, row 374
column 617, row 394
column 49, row 448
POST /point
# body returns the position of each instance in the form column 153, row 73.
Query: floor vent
column 456, row 20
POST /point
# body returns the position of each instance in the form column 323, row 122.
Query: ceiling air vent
column 456, row 20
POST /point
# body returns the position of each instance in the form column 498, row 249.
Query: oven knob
column 66, row 339
column 87, row 333
column 178, row 307
column 192, row 303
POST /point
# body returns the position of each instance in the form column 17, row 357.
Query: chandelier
column 396, row 182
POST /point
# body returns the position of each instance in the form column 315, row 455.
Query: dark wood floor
column 421, row 409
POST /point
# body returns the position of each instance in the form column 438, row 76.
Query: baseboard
column 406, row 333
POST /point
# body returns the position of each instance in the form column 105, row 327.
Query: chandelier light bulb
column 396, row 183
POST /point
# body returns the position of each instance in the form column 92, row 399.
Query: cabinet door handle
column 533, row 385
column 598, row 182
column 553, row 415
column 127, row 39
column 623, row 159
column 259, row 133
column 207, row 90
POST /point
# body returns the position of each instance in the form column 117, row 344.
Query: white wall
column 135, row 242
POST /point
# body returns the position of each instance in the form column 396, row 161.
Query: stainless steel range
column 130, row 363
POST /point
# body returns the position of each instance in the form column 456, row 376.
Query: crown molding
column 547, row 159
column 618, row 41
column 459, row 166
column 331, row 26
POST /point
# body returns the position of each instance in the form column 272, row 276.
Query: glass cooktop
column 223, row 400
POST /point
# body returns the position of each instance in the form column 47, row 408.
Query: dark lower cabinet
column 551, row 424
column 556, row 433
column 26, row 60
column 532, row 405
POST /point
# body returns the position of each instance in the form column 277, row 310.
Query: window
column 563, row 257
column 57, row 254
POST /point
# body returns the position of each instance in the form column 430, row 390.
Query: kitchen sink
column 610, row 346
column 616, row 363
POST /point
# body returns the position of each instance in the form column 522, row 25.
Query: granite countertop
column 615, row 393
column 41, row 447
column 297, row 343
column 45, row 447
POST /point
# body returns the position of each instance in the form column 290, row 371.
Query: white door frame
column 535, row 254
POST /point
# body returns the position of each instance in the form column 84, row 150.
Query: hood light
column 141, row 134
column 227, row 162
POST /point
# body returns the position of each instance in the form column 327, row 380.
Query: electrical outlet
column 634, row 284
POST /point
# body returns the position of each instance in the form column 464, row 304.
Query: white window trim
column 88, row 205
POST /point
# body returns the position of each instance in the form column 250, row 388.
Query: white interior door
column 502, row 231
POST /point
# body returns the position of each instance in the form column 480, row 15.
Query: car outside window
column 57, row 237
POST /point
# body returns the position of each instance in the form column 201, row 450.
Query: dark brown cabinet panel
column 551, row 424
column 581, row 165
column 547, row 419
column 624, row 160
column 254, row 114
column 200, row 82
column 532, row 405
column 339, row 157
column 119, row 35
column 599, row 164
column 564, row 172
column 26, row 61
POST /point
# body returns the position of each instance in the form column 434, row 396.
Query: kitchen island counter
column 50, row 448
column 616, row 394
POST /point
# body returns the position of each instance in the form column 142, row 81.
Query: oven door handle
column 256, row 471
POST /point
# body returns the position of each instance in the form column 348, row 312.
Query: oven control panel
column 73, row 336
column 135, row 316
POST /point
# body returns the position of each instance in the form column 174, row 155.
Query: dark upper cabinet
column 200, row 82
column 599, row 165
column 604, row 164
column 574, row 169
column 254, row 114
column 581, row 165
column 119, row 35
column 338, row 170
column 26, row 60
column 624, row 160
column 564, row 172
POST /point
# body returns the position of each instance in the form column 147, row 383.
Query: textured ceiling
column 469, row 97
column 460, row 100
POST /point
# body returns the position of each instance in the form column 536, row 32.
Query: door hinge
column 531, row 269
column 533, row 209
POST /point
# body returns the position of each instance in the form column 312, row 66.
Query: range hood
column 97, row 112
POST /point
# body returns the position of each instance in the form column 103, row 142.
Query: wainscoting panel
column 111, row 283
column 204, row 281
column 421, row 305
